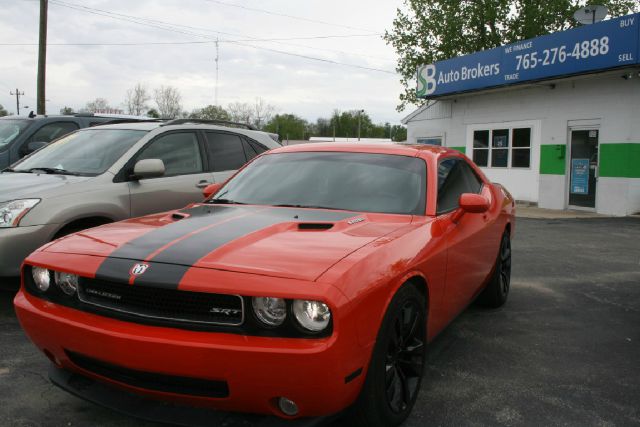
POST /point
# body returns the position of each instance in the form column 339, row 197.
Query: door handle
column 203, row 184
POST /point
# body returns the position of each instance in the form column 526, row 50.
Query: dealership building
column 556, row 119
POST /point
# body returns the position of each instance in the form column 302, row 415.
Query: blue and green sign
column 608, row 44
column 579, row 176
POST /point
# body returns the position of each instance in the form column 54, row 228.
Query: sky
column 346, row 32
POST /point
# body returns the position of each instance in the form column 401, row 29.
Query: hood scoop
column 310, row 226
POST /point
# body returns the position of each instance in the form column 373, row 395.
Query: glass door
column 583, row 168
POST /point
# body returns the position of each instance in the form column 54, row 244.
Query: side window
column 180, row 153
column 226, row 151
column 258, row 147
column 51, row 131
column 455, row 177
column 252, row 149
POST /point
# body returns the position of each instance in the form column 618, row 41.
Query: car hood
column 15, row 186
column 280, row 242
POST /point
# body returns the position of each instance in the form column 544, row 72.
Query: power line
column 171, row 27
column 168, row 26
column 194, row 41
column 299, row 18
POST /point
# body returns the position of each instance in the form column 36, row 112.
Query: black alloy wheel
column 395, row 372
column 505, row 265
column 405, row 357
column 497, row 290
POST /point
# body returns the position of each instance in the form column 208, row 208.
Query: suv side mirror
column 211, row 189
column 148, row 168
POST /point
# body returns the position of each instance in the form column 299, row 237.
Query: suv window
column 256, row 148
column 455, row 177
column 179, row 151
column 51, row 131
column 226, row 151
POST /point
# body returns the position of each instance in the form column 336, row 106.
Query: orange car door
column 469, row 240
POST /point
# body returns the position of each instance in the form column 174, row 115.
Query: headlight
column 269, row 310
column 67, row 282
column 12, row 212
column 312, row 315
column 41, row 277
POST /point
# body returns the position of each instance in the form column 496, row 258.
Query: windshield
column 348, row 181
column 88, row 152
column 10, row 129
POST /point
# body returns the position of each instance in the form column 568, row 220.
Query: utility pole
column 217, row 69
column 18, row 94
column 42, row 57
column 359, row 122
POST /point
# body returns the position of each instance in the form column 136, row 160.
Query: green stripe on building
column 620, row 160
column 552, row 159
column 462, row 149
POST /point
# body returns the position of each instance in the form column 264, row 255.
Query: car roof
column 128, row 125
column 412, row 150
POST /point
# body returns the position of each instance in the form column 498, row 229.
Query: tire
column 497, row 290
column 397, row 363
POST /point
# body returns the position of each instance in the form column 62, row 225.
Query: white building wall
column 606, row 101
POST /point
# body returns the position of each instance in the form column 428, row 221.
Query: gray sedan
column 108, row 173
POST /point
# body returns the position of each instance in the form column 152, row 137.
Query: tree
column 3, row 112
column 425, row 31
column 262, row 112
column 168, row 99
column 257, row 114
column 153, row 113
column 241, row 112
column 288, row 126
column 210, row 112
column 398, row 133
column 137, row 98
column 66, row 111
column 97, row 105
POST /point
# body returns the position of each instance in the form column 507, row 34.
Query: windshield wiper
column 15, row 171
column 54, row 171
column 225, row 202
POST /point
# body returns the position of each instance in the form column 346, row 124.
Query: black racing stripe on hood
column 167, row 268
column 112, row 268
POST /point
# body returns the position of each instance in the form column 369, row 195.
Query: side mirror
column 211, row 189
column 470, row 203
column 148, row 168
column 34, row 146
column 473, row 203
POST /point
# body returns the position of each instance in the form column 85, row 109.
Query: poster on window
column 500, row 141
column 579, row 176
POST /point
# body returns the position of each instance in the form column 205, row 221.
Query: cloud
column 312, row 89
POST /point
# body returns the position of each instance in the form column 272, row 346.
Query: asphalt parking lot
column 564, row 351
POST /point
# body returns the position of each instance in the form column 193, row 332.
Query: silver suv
column 108, row 173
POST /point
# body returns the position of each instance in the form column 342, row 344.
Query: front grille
column 163, row 304
column 151, row 380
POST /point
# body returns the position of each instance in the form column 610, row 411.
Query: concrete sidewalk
column 528, row 211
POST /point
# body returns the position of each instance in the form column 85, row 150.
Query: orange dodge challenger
column 310, row 282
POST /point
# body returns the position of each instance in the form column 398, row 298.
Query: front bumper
column 16, row 243
column 317, row 374
column 165, row 413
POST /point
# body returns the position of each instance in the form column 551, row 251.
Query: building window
column 481, row 147
column 521, row 148
column 502, row 148
column 432, row 140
